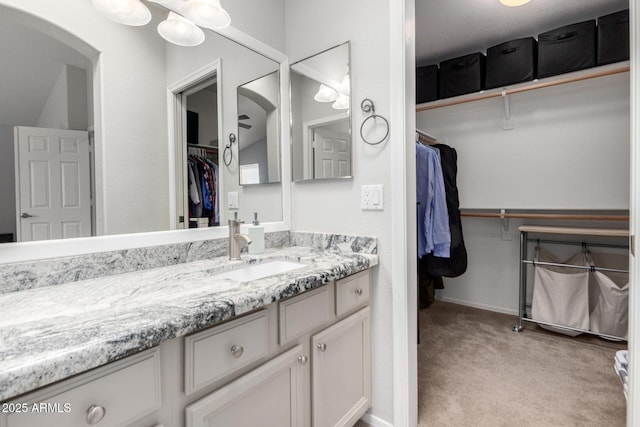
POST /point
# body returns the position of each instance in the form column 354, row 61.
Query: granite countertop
column 50, row 333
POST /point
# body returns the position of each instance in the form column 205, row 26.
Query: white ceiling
column 31, row 64
column 446, row 29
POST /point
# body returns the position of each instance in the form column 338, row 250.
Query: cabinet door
column 341, row 371
column 270, row 395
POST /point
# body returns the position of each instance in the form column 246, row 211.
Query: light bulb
column 514, row 3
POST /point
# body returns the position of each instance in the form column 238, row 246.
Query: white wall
column 55, row 114
column 205, row 103
column 569, row 150
column 7, row 182
column 131, row 168
column 334, row 206
column 66, row 107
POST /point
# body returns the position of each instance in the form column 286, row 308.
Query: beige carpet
column 474, row 371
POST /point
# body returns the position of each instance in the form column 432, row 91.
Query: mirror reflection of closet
column 199, row 126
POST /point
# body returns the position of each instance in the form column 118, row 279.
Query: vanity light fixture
column 325, row 94
column 514, row 3
column 127, row 12
column 179, row 30
column 207, row 13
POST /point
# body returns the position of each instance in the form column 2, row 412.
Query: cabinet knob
column 358, row 292
column 95, row 414
column 322, row 347
column 303, row 359
column 236, row 351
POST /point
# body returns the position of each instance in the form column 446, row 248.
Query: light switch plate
column 371, row 197
column 232, row 200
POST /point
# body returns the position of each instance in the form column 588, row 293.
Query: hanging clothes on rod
column 202, row 188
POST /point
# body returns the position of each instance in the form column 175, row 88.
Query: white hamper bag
column 561, row 294
column 609, row 295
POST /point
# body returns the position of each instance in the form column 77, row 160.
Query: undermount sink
column 261, row 270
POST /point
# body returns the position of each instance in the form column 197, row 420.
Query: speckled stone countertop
column 50, row 333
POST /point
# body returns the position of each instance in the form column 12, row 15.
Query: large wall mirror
column 320, row 116
column 89, row 87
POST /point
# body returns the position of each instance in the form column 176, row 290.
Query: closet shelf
column 609, row 232
column 591, row 73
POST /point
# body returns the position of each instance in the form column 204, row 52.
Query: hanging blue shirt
column 434, row 235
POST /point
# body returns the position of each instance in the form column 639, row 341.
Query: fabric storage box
column 426, row 83
column 462, row 75
column 511, row 62
column 566, row 49
column 613, row 37
column 609, row 295
column 561, row 294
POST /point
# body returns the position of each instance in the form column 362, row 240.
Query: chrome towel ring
column 368, row 107
column 227, row 149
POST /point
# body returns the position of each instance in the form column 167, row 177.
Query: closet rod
column 581, row 267
column 547, row 216
column 533, row 86
column 562, row 242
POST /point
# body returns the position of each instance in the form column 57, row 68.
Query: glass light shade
column 206, row 13
column 179, row 30
column 514, row 3
column 325, row 94
column 127, row 12
column 160, row 1
column 342, row 103
column 346, row 85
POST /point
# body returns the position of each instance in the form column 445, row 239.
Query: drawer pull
column 358, row 292
column 95, row 414
column 236, row 351
column 322, row 347
column 303, row 359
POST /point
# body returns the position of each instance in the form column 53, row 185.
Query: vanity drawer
column 219, row 352
column 352, row 292
column 303, row 313
column 115, row 395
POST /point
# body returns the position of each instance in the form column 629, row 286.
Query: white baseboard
column 478, row 305
column 374, row 421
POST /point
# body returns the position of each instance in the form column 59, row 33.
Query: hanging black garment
column 457, row 263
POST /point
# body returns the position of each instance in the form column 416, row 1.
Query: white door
column 53, row 199
column 331, row 154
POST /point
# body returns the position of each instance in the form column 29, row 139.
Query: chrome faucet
column 236, row 239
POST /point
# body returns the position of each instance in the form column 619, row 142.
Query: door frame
column 178, row 132
column 307, row 128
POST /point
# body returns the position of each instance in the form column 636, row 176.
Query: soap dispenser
column 256, row 234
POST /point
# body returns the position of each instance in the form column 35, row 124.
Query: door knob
column 26, row 215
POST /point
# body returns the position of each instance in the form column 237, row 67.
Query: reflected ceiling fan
column 244, row 125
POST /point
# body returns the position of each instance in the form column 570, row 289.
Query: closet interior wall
column 568, row 150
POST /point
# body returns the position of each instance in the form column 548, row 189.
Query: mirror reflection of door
column 330, row 154
column 46, row 84
column 199, row 139
column 53, row 186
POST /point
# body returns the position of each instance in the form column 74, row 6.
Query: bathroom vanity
column 276, row 339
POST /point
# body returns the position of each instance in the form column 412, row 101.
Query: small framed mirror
column 321, row 115
column 259, row 130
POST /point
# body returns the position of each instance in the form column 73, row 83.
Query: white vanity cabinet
column 323, row 380
column 112, row 396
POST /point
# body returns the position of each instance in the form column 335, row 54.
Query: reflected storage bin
column 511, row 62
column 462, row 75
column 613, row 37
column 609, row 295
column 426, row 83
column 566, row 49
column 561, row 294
